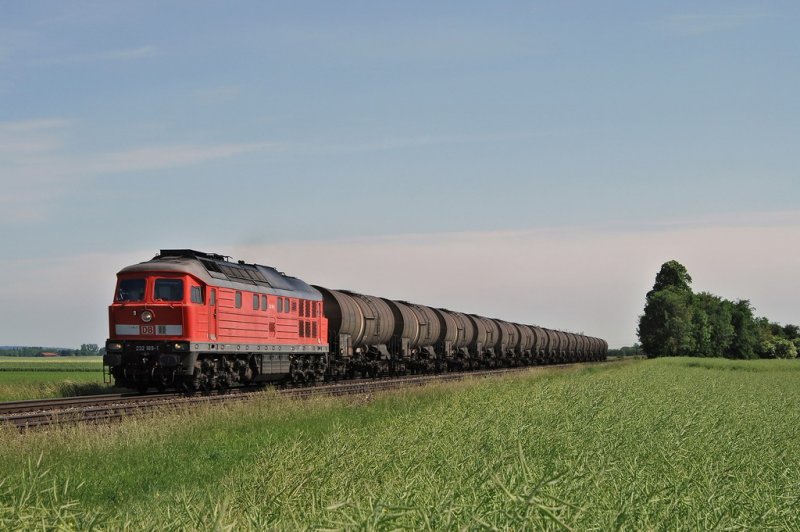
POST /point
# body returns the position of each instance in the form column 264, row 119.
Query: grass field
column 39, row 377
column 656, row 444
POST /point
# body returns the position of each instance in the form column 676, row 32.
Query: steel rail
column 30, row 405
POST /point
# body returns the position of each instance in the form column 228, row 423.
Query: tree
column 678, row 322
column 791, row 332
column 745, row 330
column 665, row 328
column 88, row 350
column 701, row 333
column 673, row 274
column 718, row 322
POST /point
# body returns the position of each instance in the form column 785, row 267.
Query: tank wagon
column 193, row 321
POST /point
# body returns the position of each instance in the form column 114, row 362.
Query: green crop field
column 40, row 377
column 654, row 444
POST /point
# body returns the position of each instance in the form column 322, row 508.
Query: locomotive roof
column 216, row 270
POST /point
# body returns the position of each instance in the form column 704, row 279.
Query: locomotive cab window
column 238, row 300
column 197, row 295
column 169, row 290
column 130, row 290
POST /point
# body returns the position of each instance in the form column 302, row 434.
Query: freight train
column 196, row 321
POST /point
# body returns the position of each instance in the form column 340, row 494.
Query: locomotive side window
column 130, row 290
column 263, row 302
column 280, row 304
column 197, row 295
column 255, row 301
column 212, row 299
column 238, row 300
column 169, row 290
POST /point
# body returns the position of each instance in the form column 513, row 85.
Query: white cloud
column 21, row 139
column 393, row 144
column 157, row 157
column 127, row 54
column 37, row 171
column 36, row 124
column 703, row 23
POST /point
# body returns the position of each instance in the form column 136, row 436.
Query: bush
column 785, row 349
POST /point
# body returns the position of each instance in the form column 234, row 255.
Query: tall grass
column 659, row 444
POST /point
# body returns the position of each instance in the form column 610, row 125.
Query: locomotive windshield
column 169, row 290
column 130, row 290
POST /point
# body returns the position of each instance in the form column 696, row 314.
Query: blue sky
column 254, row 127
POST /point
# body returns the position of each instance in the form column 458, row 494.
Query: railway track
column 40, row 413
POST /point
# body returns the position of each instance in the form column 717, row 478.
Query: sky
column 531, row 161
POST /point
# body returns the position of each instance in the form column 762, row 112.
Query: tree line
column 678, row 322
column 31, row 351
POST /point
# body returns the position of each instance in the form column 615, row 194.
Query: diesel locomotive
column 197, row 321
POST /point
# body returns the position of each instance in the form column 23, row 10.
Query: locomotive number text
column 142, row 348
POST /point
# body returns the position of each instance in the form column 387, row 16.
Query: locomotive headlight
column 180, row 346
column 146, row 316
column 113, row 346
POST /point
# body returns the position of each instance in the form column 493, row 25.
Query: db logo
column 148, row 329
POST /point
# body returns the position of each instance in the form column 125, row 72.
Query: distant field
column 40, row 377
column 653, row 444
column 51, row 363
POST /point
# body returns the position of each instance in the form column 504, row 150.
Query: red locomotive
column 198, row 321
